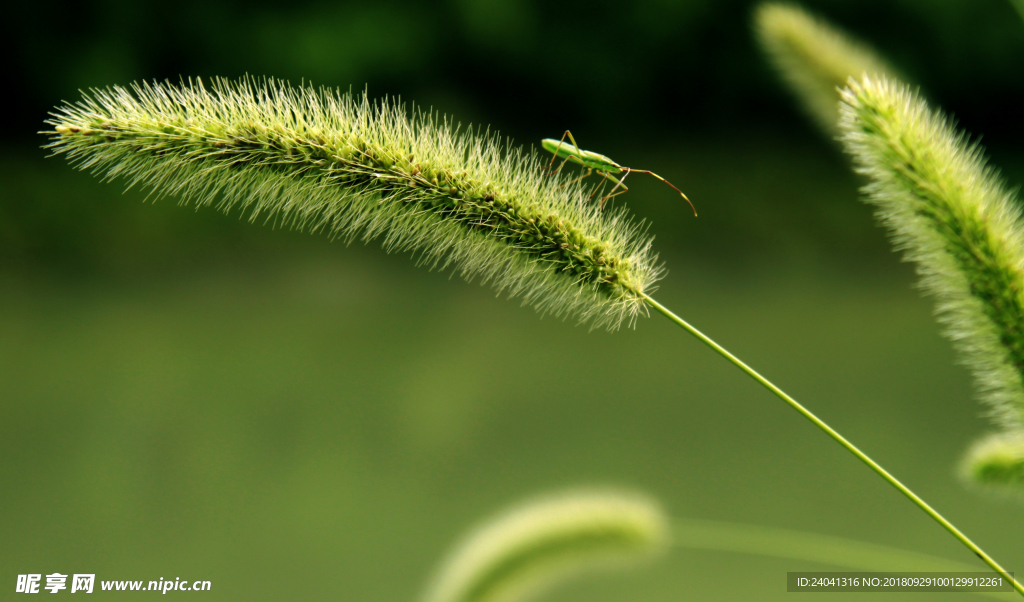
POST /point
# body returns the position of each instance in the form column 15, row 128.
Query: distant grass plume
column 814, row 58
column 532, row 546
column 997, row 459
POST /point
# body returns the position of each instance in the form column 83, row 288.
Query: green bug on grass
column 594, row 162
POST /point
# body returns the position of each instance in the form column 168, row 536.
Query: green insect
column 594, row 162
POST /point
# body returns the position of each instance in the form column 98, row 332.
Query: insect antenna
column 665, row 181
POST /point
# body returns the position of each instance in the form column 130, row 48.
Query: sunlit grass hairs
column 536, row 544
column 327, row 161
column 947, row 211
column 814, row 57
column 953, row 217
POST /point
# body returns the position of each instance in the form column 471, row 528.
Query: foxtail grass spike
column 997, row 461
column 518, row 554
column 814, row 58
column 327, row 161
column 952, row 216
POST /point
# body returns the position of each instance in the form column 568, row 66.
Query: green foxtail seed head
column 953, row 217
column 996, row 460
column 533, row 545
column 323, row 160
column 814, row 58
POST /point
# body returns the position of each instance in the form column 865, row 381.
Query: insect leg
column 598, row 191
column 555, row 156
column 561, row 141
column 586, row 175
column 618, row 184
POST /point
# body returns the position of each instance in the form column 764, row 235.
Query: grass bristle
column 326, row 161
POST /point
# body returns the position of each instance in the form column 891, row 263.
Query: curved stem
column 853, row 449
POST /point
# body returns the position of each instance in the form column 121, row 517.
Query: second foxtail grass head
column 947, row 210
column 814, row 57
column 329, row 161
column 955, row 219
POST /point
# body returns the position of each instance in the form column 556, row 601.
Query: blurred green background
column 185, row 394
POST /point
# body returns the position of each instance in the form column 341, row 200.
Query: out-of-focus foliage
column 515, row 556
column 677, row 87
column 814, row 58
column 681, row 66
column 996, row 460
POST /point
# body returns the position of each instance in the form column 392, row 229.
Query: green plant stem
column 853, row 449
